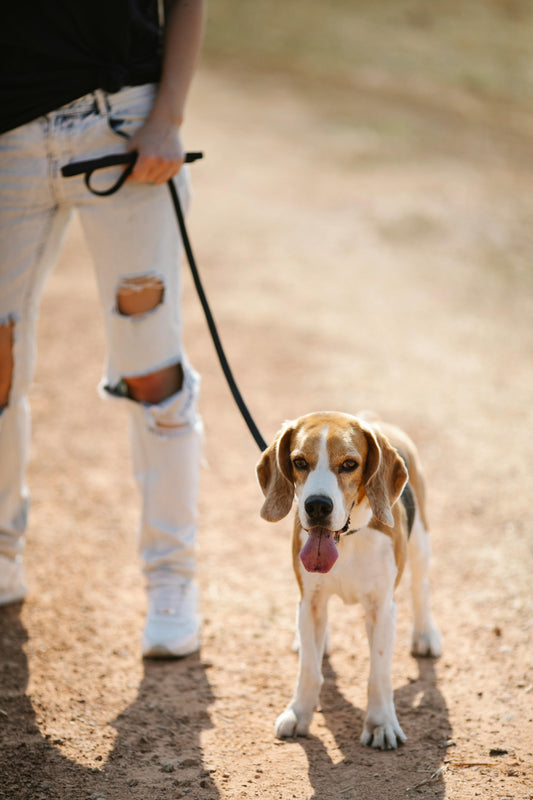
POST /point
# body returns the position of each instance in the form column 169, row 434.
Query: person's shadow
column 145, row 762
column 369, row 774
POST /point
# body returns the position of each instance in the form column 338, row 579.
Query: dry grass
column 481, row 47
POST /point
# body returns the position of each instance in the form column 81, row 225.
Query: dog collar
column 342, row 534
column 345, row 531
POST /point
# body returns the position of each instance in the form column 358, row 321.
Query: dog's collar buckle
column 344, row 531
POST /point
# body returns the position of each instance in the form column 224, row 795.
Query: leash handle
column 114, row 160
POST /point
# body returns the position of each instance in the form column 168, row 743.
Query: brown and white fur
column 357, row 469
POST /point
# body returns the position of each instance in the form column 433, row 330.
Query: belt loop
column 102, row 103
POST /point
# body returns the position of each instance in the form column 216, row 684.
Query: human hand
column 161, row 152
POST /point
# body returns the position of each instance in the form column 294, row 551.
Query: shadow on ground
column 419, row 705
column 146, row 762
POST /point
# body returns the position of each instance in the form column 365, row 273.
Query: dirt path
column 347, row 269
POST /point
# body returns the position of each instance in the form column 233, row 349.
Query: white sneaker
column 13, row 587
column 173, row 623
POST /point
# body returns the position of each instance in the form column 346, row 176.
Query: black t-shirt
column 54, row 51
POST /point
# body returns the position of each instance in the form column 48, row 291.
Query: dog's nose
column 318, row 507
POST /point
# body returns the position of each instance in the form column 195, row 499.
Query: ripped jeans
column 133, row 237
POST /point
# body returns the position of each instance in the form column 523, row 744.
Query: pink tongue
column 319, row 553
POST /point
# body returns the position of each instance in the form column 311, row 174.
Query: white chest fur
column 365, row 569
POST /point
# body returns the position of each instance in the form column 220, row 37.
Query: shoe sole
column 162, row 652
column 13, row 597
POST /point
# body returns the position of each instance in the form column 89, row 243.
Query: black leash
column 128, row 159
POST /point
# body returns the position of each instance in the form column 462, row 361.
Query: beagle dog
column 360, row 512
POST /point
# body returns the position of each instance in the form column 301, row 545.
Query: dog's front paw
column 427, row 643
column 291, row 724
column 387, row 736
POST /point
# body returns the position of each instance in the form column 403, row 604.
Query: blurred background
column 444, row 55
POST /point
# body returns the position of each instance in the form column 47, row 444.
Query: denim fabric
column 130, row 234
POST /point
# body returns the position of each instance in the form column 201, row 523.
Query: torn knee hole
column 139, row 294
column 6, row 361
column 179, row 412
column 157, row 386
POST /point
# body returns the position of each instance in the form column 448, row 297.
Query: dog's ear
column 384, row 477
column 275, row 476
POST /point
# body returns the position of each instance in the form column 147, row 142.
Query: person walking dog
column 83, row 80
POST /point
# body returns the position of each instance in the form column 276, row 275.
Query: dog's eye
column 349, row 465
column 300, row 463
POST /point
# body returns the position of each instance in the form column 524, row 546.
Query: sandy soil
column 348, row 268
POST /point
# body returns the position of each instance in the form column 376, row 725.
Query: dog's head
column 334, row 465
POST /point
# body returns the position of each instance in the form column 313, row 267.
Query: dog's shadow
column 369, row 774
column 146, row 760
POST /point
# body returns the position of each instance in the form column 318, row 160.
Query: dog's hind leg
column 312, row 631
column 426, row 639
